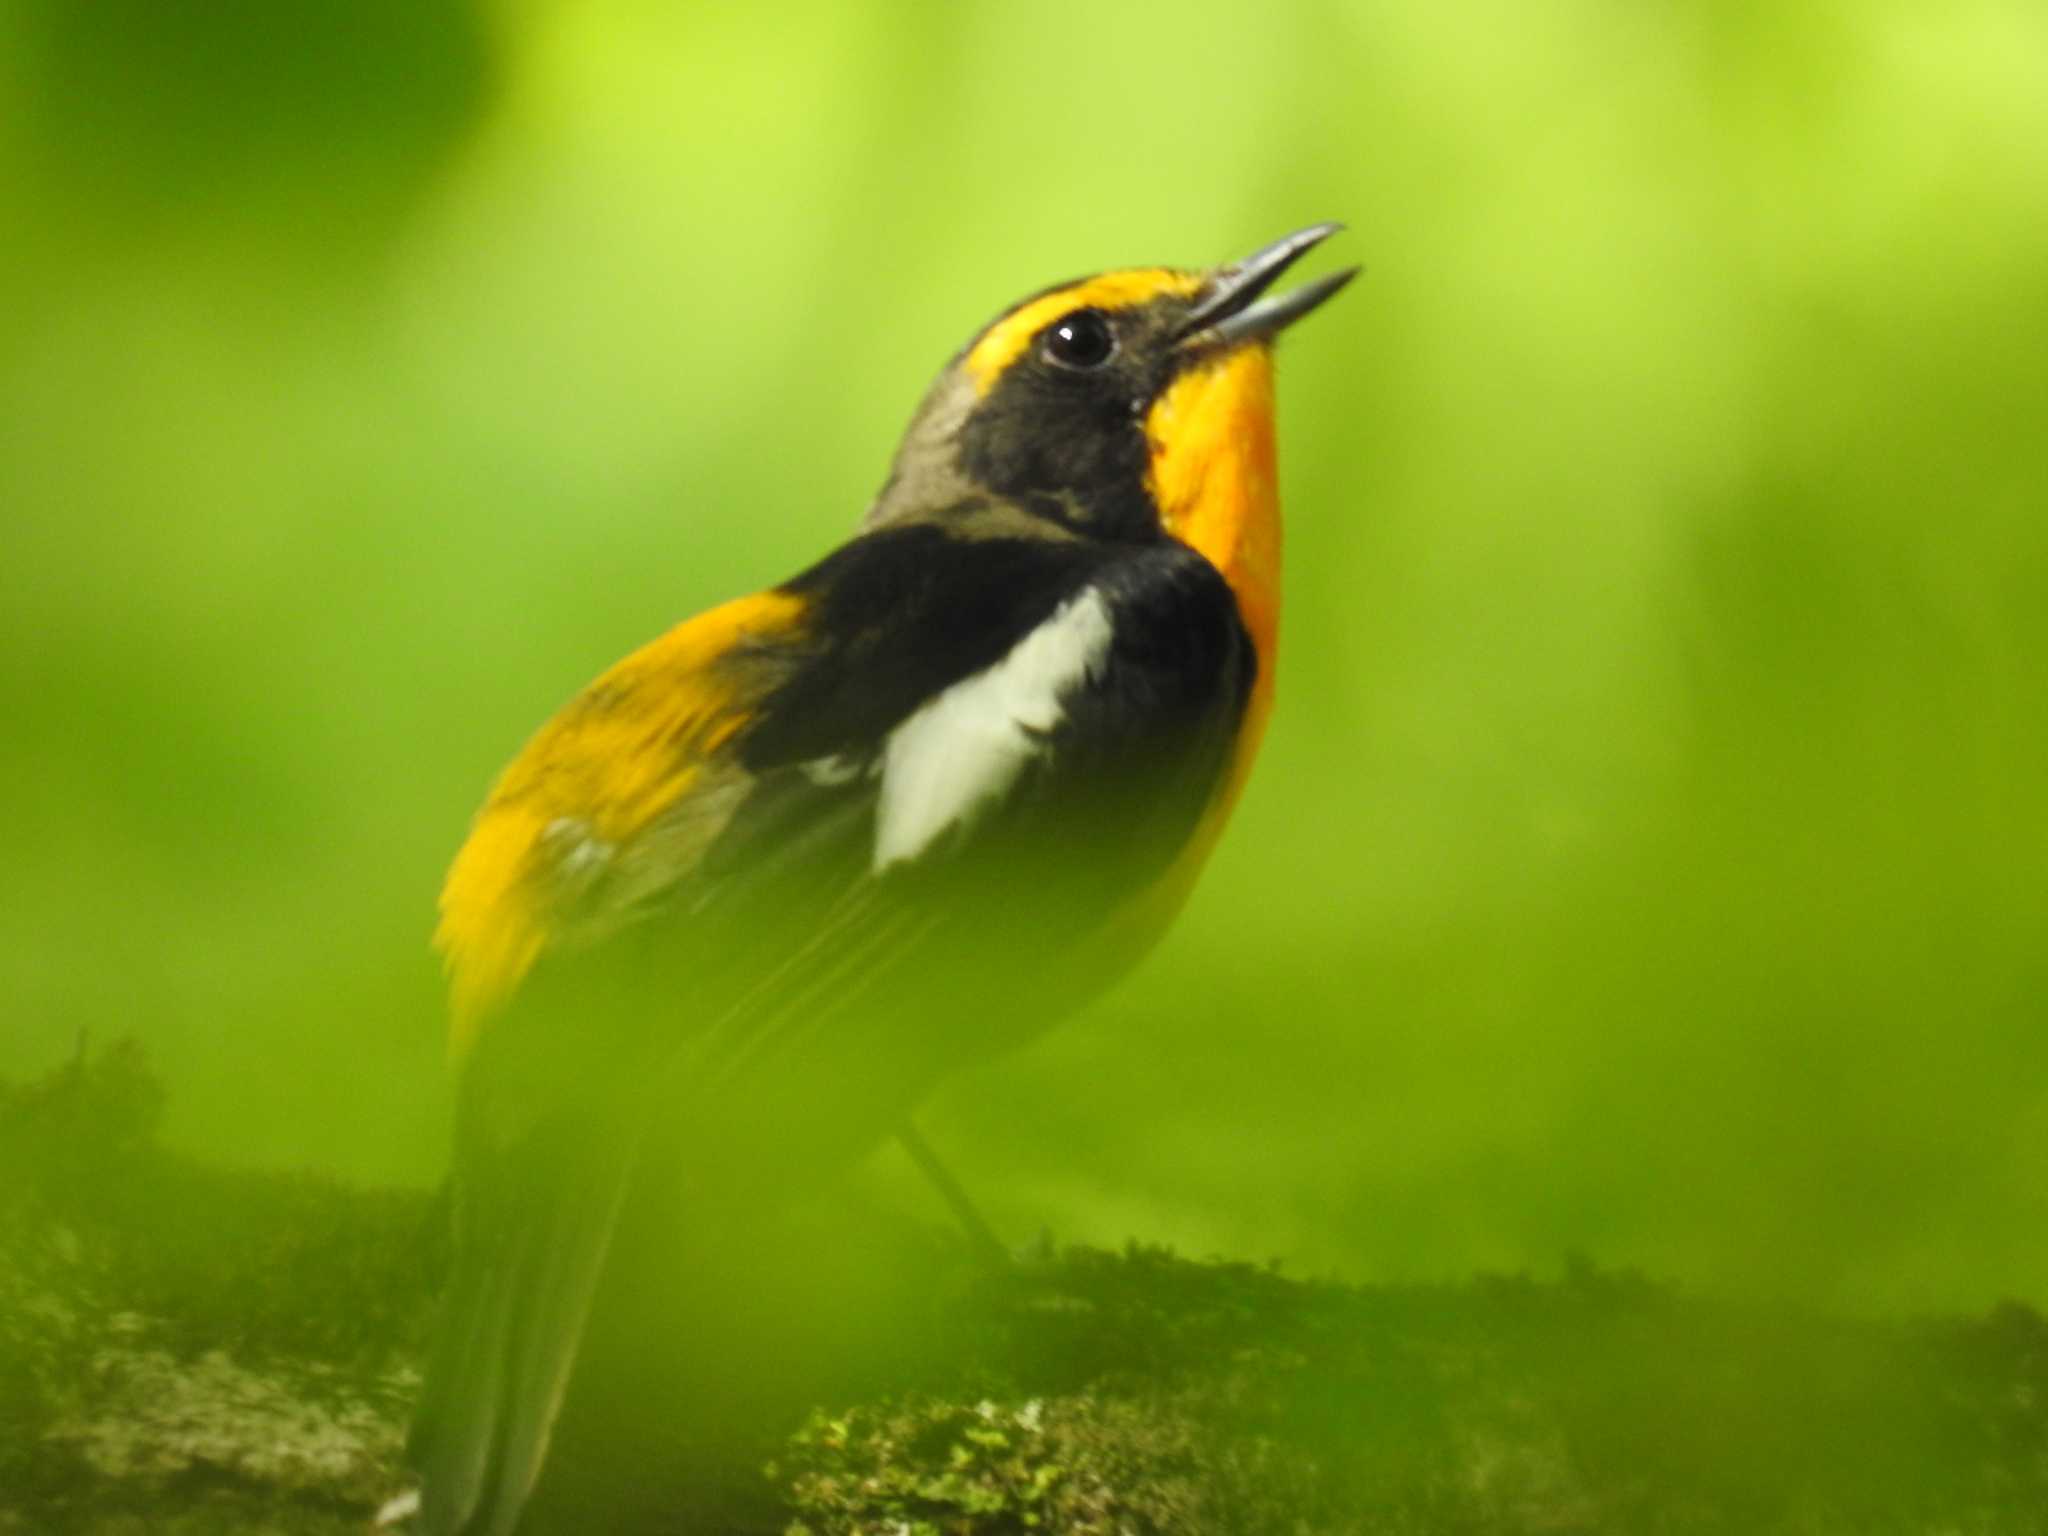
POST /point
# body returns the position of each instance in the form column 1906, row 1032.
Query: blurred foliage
column 1647, row 856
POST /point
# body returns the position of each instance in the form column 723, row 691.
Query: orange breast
column 1212, row 475
column 1213, row 479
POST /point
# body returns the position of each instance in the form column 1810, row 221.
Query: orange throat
column 1211, row 436
column 1212, row 473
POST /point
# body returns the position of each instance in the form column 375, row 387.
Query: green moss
column 186, row 1349
column 190, row 1347
column 1145, row 1394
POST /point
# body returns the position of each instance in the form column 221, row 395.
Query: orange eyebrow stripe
column 1002, row 342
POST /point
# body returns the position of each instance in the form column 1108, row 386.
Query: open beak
column 1230, row 309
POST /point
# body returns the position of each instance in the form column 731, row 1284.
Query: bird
column 750, row 897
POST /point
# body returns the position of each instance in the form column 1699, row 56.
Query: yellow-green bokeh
column 1650, row 855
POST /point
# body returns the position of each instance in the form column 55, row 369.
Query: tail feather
column 533, row 1230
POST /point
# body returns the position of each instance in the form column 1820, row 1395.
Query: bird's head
column 1123, row 406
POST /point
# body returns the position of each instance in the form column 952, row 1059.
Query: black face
column 1063, row 431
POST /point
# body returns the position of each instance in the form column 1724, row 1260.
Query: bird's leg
column 980, row 1235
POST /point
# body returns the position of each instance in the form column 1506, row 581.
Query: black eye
column 1082, row 340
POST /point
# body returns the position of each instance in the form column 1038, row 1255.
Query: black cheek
column 1049, row 438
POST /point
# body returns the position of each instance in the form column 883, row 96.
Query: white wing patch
column 948, row 762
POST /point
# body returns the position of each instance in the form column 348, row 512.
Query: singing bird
column 748, row 898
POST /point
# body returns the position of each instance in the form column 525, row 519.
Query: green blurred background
column 1648, row 856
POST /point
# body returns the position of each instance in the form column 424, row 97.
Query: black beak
column 1227, row 312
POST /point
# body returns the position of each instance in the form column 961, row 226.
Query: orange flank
column 626, row 750
column 1001, row 343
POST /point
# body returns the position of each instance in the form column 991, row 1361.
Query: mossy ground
column 184, row 1348
column 187, row 1350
